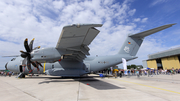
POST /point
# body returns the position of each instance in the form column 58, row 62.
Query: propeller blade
column 29, row 64
column 37, row 47
column 31, row 45
column 39, row 64
column 26, row 45
column 38, row 69
column 34, row 64
column 24, row 54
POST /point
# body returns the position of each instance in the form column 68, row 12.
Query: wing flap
column 92, row 33
column 81, row 49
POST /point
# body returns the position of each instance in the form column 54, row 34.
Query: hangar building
column 169, row 59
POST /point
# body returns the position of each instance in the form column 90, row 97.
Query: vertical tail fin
column 131, row 46
column 133, row 42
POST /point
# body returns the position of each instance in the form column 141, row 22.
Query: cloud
column 8, row 49
column 156, row 2
column 58, row 4
column 137, row 19
column 144, row 20
column 131, row 12
column 44, row 20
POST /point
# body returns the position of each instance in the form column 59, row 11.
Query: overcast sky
column 44, row 20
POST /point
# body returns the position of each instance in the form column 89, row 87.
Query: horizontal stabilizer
column 151, row 31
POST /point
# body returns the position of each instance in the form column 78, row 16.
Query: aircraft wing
column 76, row 38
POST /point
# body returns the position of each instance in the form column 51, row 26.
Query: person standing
column 137, row 73
column 145, row 72
column 115, row 74
column 111, row 70
column 148, row 72
column 10, row 73
column 120, row 73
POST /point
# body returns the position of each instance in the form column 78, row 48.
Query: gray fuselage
column 69, row 67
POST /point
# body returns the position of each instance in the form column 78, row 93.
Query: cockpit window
column 13, row 59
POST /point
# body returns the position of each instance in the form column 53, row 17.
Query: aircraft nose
column 6, row 66
column 11, row 66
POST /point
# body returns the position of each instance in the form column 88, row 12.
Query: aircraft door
column 87, row 67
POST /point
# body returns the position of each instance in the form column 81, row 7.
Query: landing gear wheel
column 22, row 75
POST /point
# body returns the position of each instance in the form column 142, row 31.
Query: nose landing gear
column 21, row 74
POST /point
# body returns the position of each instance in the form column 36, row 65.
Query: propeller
column 27, row 55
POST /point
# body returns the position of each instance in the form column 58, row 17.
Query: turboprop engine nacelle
column 49, row 55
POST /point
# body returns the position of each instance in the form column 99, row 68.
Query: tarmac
column 91, row 88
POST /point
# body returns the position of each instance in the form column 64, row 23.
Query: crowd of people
column 4, row 73
column 152, row 71
column 139, row 72
column 122, row 72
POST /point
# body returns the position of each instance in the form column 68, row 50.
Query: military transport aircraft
column 69, row 57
